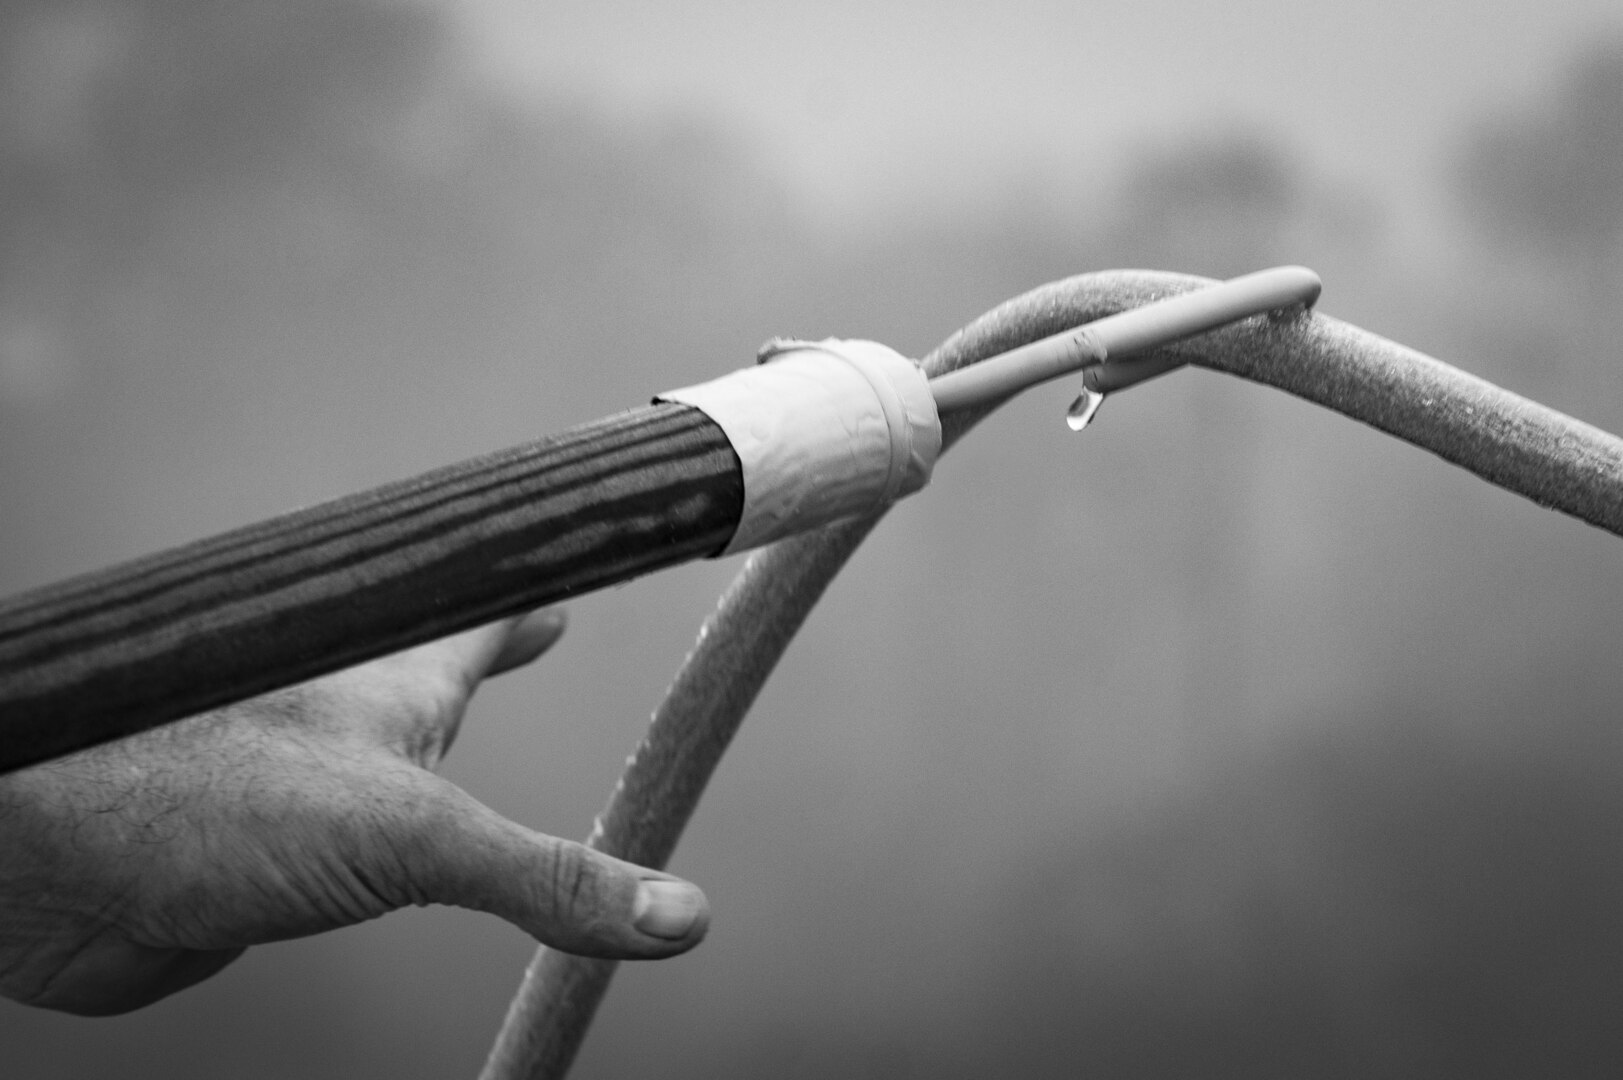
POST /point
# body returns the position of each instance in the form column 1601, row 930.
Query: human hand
column 138, row 868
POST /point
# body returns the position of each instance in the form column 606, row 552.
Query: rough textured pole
column 664, row 779
column 1551, row 458
column 223, row 619
column 1507, row 440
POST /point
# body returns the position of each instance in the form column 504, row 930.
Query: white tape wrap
column 825, row 430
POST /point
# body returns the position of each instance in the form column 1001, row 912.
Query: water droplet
column 1084, row 408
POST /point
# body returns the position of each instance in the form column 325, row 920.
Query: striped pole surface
column 173, row 634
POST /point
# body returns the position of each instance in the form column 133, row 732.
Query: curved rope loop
column 1548, row 457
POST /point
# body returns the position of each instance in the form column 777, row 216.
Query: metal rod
column 1126, row 334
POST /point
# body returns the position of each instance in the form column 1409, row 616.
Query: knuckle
column 573, row 883
column 581, row 901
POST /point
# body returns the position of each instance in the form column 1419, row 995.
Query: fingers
column 491, row 649
column 560, row 892
column 447, row 671
column 413, row 701
column 527, row 638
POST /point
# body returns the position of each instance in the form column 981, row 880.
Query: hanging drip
column 1084, row 409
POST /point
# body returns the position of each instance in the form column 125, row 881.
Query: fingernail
column 667, row 909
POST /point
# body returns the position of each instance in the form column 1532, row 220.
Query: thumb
column 560, row 892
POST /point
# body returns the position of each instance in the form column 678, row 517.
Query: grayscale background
column 1228, row 738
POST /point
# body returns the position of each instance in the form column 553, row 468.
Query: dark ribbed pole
column 125, row 649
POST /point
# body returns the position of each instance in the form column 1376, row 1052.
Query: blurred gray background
column 1226, row 739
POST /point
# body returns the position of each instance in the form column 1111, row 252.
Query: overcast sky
column 864, row 102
